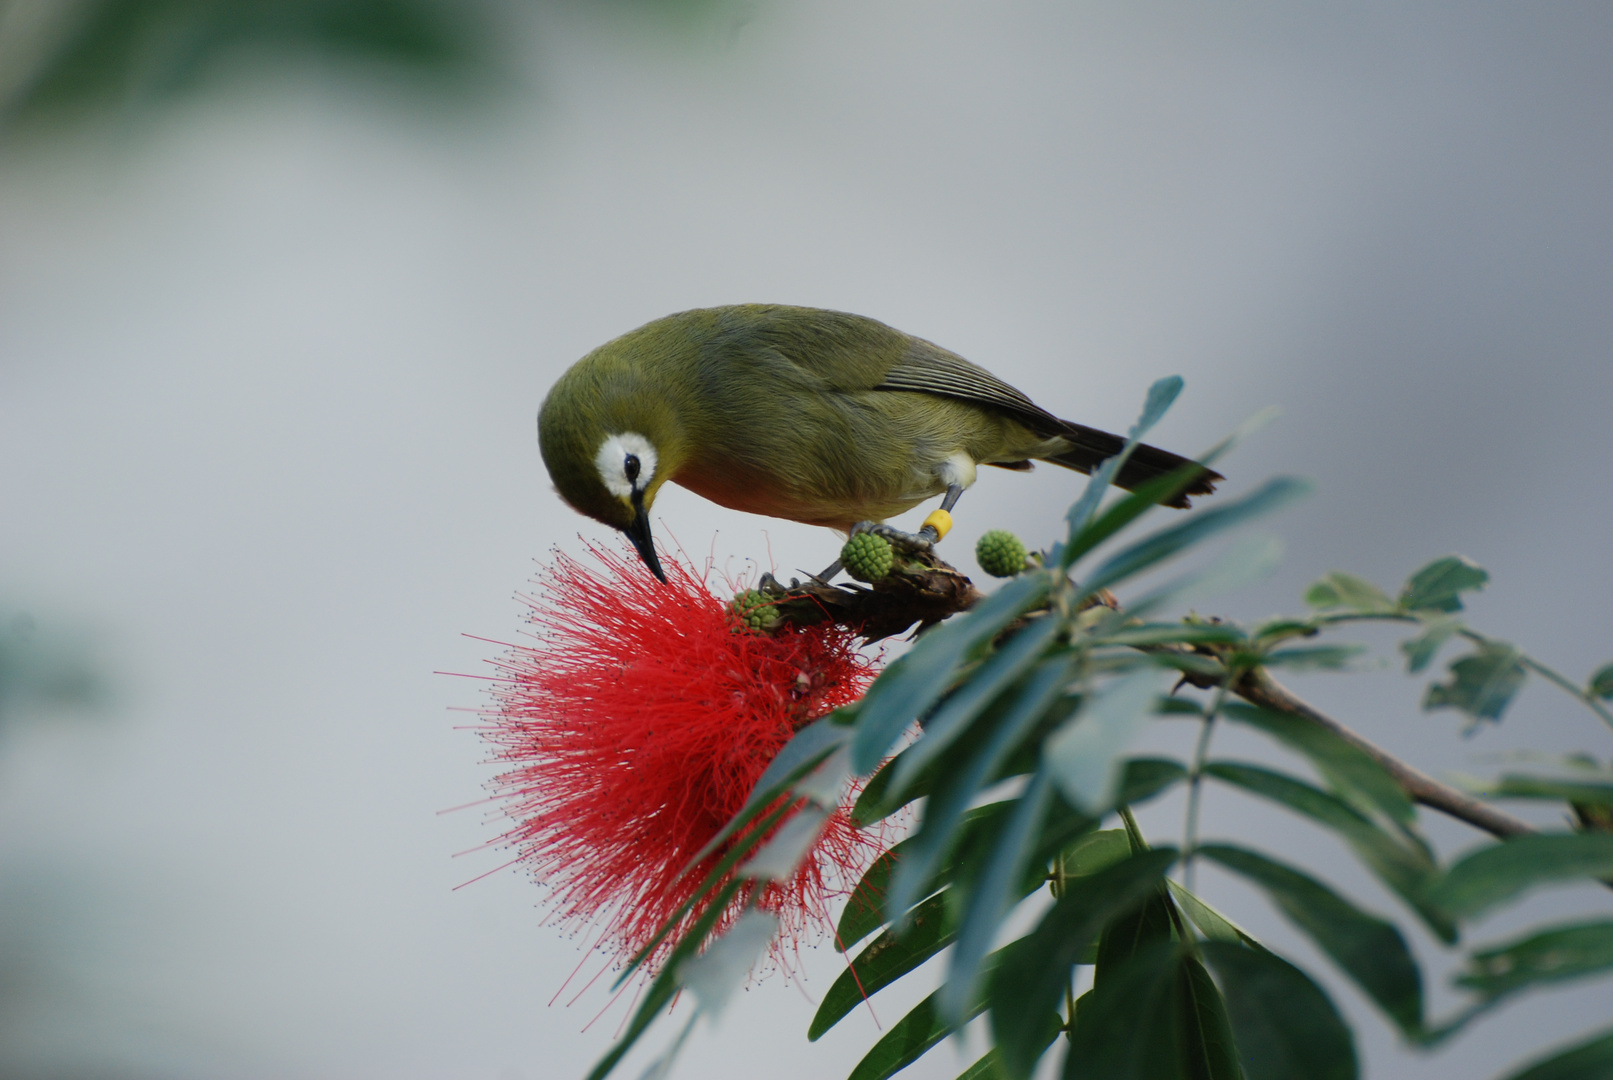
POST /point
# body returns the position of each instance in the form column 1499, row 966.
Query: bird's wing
column 855, row 353
column 929, row 369
column 834, row 350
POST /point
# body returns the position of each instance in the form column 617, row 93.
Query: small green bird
column 816, row 416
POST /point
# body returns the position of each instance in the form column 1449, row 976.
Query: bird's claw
column 769, row 585
column 922, row 540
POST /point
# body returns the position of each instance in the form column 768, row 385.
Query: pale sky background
column 269, row 368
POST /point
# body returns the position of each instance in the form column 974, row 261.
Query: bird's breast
column 813, row 499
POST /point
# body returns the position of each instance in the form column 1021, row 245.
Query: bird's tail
column 1090, row 447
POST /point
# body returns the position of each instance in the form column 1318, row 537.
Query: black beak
column 639, row 533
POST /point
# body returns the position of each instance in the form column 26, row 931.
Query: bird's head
column 610, row 437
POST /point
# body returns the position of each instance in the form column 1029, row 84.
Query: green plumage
column 816, row 416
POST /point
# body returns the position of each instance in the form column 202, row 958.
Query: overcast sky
column 269, row 368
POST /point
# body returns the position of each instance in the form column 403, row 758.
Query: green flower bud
column 756, row 610
column 867, row 557
column 1000, row 553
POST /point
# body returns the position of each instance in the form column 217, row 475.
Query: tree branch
column 923, row 589
column 1259, row 688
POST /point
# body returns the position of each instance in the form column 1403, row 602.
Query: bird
column 816, row 416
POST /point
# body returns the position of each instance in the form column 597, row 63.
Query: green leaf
column 929, row 929
column 1124, row 511
column 1350, row 771
column 1190, row 664
column 1244, row 562
column 919, row 678
column 1023, row 759
column 1096, row 851
column 1159, row 1018
column 716, row 973
column 1204, row 1029
column 978, row 689
column 1126, row 1030
column 1025, row 991
column 1601, row 683
column 1151, row 494
column 970, row 767
column 865, row 910
column 1172, row 633
column 115, row 58
column 1200, row 526
column 1496, row 873
column 878, row 799
column 740, row 850
column 1592, row 1060
column 1439, row 585
column 1282, row 628
column 988, row 1067
column 1062, row 830
column 914, row 1034
column 1211, row 923
column 1516, row 786
column 1346, row 592
column 1084, row 755
column 807, row 750
column 1284, row 1024
column 1144, row 778
column 664, row 987
column 1368, row 949
column 1547, row 956
column 1404, row 867
column 1482, row 683
column 780, row 856
column 865, row 907
column 1160, row 397
column 1421, row 650
column 994, row 894
column 1313, row 657
column 1148, row 922
column 908, row 1040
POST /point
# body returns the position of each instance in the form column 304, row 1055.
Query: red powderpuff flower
column 637, row 727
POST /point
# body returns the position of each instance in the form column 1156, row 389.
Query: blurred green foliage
column 44, row 671
column 63, row 62
column 101, row 56
column 1044, row 682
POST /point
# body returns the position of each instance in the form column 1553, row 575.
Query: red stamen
column 637, row 724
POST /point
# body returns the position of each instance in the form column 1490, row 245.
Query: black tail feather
column 1092, row 447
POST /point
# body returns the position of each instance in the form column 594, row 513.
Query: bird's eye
column 630, row 468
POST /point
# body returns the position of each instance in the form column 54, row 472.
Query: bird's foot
column 922, row 540
column 768, row 585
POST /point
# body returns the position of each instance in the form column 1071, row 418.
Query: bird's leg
column 937, row 525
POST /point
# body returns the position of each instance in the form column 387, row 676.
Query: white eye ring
column 611, row 461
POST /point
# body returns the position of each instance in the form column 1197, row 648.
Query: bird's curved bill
column 639, row 533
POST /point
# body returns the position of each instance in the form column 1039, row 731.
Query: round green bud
column 867, row 557
column 756, row 610
column 1000, row 553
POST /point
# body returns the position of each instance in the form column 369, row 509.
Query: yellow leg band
column 941, row 522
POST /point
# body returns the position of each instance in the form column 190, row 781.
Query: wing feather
column 840, row 351
column 929, row 369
